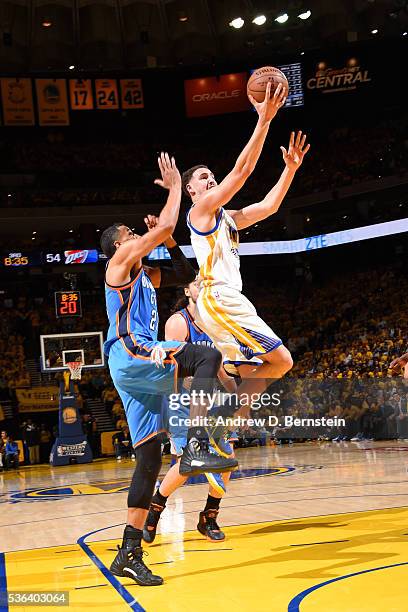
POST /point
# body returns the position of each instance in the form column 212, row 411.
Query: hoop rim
column 75, row 368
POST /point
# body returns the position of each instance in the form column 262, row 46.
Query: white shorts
column 232, row 323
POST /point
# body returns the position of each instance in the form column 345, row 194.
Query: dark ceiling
column 38, row 35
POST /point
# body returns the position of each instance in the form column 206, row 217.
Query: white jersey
column 217, row 252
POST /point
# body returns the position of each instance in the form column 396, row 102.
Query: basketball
column 259, row 79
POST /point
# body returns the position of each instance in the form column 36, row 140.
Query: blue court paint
column 124, row 593
column 296, row 601
column 3, row 584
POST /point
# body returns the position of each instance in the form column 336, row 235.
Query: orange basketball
column 259, row 79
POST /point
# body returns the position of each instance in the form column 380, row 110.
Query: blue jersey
column 195, row 334
column 132, row 314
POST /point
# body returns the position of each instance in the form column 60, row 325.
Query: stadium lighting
column 375, row 31
column 282, row 18
column 305, row 15
column 259, row 20
column 237, row 23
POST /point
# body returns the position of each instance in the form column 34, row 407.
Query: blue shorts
column 143, row 389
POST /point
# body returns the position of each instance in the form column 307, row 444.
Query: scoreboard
column 23, row 259
column 68, row 304
column 293, row 72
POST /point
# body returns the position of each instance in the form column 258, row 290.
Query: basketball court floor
column 317, row 526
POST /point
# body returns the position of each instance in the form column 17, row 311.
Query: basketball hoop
column 75, row 368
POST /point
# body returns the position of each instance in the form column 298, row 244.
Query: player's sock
column 131, row 537
column 159, row 499
column 129, row 559
column 213, row 503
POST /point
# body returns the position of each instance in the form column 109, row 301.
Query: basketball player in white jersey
column 248, row 345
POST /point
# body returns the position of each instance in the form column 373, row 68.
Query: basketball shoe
column 197, row 459
column 129, row 563
column 208, row 527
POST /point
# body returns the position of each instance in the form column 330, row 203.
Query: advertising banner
column 38, row 399
column 216, row 95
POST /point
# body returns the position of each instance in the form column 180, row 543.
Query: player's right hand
column 170, row 176
column 270, row 106
column 399, row 363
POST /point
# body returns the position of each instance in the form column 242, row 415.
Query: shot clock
column 68, row 304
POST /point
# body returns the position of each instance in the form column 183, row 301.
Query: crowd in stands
column 342, row 330
column 361, row 154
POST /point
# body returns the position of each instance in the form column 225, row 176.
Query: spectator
column 12, row 453
column 32, row 438
column 45, row 443
column 123, row 444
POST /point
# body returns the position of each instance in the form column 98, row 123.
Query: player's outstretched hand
column 293, row 157
column 399, row 364
column 270, row 105
column 170, row 176
column 151, row 221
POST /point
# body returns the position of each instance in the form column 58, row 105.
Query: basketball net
column 75, row 371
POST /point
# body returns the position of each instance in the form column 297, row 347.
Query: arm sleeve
column 180, row 274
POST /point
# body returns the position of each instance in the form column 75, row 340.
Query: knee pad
column 148, row 458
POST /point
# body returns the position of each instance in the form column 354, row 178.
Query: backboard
column 58, row 349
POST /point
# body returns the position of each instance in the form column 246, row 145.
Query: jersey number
column 153, row 320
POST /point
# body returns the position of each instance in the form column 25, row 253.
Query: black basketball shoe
column 152, row 520
column 129, row 563
column 207, row 526
column 196, row 459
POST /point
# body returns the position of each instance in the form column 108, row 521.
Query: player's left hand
column 158, row 355
column 293, row 157
column 151, row 221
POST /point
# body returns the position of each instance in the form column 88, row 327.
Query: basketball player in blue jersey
column 144, row 370
column 181, row 326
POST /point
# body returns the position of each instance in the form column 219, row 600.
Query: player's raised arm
column 181, row 272
column 293, row 158
column 124, row 248
column 246, row 162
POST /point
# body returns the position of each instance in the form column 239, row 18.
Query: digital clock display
column 16, row 259
column 68, row 304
